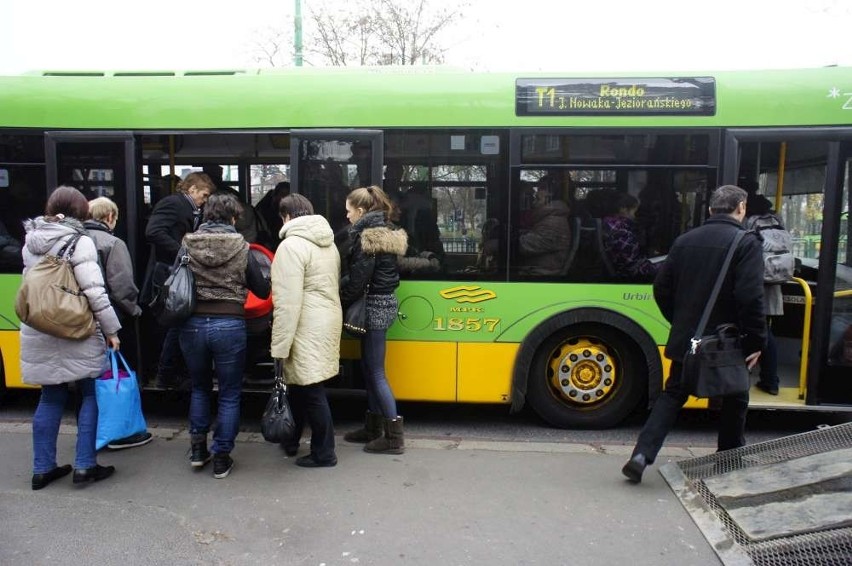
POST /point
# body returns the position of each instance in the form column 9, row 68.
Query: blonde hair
column 370, row 199
column 200, row 180
column 101, row 207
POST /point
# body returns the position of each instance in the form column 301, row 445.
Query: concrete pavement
column 444, row 502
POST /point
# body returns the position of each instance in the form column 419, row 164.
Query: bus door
column 326, row 164
column 99, row 164
column 805, row 175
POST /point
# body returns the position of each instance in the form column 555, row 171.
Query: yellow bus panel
column 485, row 372
column 10, row 346
column 422, row 371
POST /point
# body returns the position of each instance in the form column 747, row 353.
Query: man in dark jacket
column 172, row 218
column 681, row 289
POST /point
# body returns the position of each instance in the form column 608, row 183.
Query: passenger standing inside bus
column 54, row 362
column 681, row 289
column 769, row 226
column 268, row 219
column 621, row 242
column 117, row 269
column 172, row 218
column 369, row 258
column 306, row 322
column 215, row 334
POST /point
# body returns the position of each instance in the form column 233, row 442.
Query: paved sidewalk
column 445, row 502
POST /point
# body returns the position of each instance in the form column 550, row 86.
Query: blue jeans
column 46, row 421
column 379, row 395
column 222, row 341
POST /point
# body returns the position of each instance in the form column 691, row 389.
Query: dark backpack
column 778, row 260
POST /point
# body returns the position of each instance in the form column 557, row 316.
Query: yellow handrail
column 779, row 186
column 806, row 335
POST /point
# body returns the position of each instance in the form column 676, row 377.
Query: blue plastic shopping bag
column 119, row 403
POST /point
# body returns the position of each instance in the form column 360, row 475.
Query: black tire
column 588, row 375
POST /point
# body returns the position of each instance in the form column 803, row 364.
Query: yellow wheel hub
column 582, row 371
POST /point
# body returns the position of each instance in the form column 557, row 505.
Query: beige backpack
column 50, row 299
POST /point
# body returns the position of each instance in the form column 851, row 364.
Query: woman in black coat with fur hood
column 369, row 264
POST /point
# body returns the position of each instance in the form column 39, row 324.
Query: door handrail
column 806, row 335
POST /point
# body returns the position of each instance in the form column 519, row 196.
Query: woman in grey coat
column 54, row 362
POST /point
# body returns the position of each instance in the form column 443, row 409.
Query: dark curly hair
column 222, row 208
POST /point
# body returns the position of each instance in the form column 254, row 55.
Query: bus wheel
column 586, row 376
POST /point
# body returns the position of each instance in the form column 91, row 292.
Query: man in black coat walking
column 682, row 289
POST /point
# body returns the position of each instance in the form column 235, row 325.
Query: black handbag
column 277, row 423
column 355, row 317
column 174, row 301
column 715, row 364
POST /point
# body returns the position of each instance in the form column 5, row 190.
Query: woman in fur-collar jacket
column 215, row 334
column 369, row 259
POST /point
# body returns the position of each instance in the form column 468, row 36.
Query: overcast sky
column 553, row 35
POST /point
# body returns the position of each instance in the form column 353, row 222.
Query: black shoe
column 290, row 449
column 200, row 455
column 43, row 480
column 771, row 389
column 634, row 467
column 97, row 473
column 222, row 465
column 131, row 441
column 308, row 461
column 164, row 381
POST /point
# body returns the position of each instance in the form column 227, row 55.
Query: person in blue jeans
column 55, row 362
column 215, row 334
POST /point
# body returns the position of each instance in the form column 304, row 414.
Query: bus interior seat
column 576, row 227
column 608, row 268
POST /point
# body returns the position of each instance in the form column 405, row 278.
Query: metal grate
column 738, row 498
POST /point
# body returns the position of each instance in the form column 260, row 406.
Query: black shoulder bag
column 715, row 365
column 174, row 302
column 277, row 423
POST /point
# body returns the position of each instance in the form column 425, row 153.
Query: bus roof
column 385, row 98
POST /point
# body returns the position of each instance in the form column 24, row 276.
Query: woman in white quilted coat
column 307, row 322
column 54, row 362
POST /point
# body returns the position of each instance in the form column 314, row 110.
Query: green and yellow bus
column 469, row 158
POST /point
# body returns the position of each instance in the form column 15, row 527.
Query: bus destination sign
column 616, row 97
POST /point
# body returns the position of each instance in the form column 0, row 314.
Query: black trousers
column 310, row 406
column 669, row 404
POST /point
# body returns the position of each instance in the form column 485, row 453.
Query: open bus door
column 806, row 174
column 326, row 164
column 101, row 164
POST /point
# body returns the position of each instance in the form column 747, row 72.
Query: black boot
column 393, row 441
column 200, row 454
column 371, row 431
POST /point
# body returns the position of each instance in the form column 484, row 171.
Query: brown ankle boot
column 393, row 441
column 372, row 429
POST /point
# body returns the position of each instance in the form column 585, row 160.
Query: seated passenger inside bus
column 621, row 242
column 545, row 243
